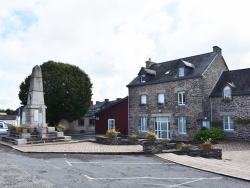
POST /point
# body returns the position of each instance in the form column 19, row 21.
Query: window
column 143, row 78
column 160, row 98
column 206, row 123
column 80, row 122
column 143, row 99
column 228, row 123
column 1, row 125
column 181, row 98
column 227, row 92
column 111, row 124
column 143, row 124
column 182, row 125
column 91, row 121
column 181, row 72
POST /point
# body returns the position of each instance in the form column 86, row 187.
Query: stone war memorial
column 34, row 117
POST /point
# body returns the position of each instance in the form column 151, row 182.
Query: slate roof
column 239, row 80
column 111, row 104
column 149, row 71
column 200, row 62
column 8, row 117
column 97, row 107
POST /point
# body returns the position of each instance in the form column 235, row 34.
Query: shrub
column 22, row 127
column 60, row 126
column 213, row 133
column 184, row 147
column 217, row 123
column 203, row 128
column 12, row 127
column 112, row 131
column 151, row 135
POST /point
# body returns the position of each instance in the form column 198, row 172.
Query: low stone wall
column 118, row 141
column 206, row 153
column 152, row 147
column 169, row 146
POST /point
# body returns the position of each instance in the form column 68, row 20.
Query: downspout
column 211, row 109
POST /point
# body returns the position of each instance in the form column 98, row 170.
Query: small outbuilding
column 113, row 116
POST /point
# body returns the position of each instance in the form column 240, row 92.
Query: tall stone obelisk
column 35, row 110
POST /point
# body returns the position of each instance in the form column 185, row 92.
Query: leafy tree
column 67, row 91
column 9, row 112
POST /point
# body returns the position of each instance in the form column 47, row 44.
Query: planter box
column 211, row 153
column 152, row 147
column 169, row 146
column 206, row 153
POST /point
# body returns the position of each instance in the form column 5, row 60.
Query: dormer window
column 227, row 93
column 181, row 72
column 143, row 78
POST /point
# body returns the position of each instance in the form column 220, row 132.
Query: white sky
column 111, row 40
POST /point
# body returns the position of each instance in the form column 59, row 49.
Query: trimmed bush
column 213, row 133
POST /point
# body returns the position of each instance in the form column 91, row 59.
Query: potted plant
column 184, row 147
column 151, row 136
column 60, row 128
column 112, row 133
column 23, row 128
column 207, row 143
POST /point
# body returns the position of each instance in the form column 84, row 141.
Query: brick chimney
column 217, row 50
column 149, row 63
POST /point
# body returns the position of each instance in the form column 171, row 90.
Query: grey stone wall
column 210, row 78
column 239, row 107
column 197, row 105
column 192, row 109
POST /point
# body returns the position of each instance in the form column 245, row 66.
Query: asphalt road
column 101, row 171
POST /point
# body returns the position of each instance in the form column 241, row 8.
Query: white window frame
column 181, row 98
column 181, row 72
column 144, row 124
column 143, row 78
column 206, row 123
column 111, row 124
column 143, row 99
column 182, row 125
column 160, row 98
column 227, row 92
column 228, row 123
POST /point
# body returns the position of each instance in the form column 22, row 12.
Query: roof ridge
column 236, row 70
column 186, row 57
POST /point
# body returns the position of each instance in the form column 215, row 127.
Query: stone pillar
column 35, row 110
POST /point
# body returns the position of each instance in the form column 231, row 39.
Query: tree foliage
column 67, row 91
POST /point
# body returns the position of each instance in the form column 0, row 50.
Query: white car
column 3, row 127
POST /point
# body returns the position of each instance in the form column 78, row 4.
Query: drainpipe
column 211, row 109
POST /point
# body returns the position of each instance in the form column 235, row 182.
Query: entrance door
column 162, row 127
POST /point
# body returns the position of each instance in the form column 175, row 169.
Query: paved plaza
column 235, row 155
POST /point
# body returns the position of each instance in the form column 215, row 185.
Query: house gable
column 195, row 66
column 238, row 80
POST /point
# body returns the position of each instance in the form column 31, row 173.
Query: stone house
column 230, row 104
column 172, row 97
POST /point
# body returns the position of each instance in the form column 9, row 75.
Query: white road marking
column 154, row 178
column 114, row 163
column 68, row 163
column 199, row 179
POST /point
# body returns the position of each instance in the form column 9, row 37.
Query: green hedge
column 213, row 133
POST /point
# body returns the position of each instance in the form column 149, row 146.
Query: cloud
column 111, row 40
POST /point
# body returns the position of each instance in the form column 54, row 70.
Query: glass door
column 162, row 127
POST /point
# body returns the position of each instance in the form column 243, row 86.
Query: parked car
column 3, row 127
